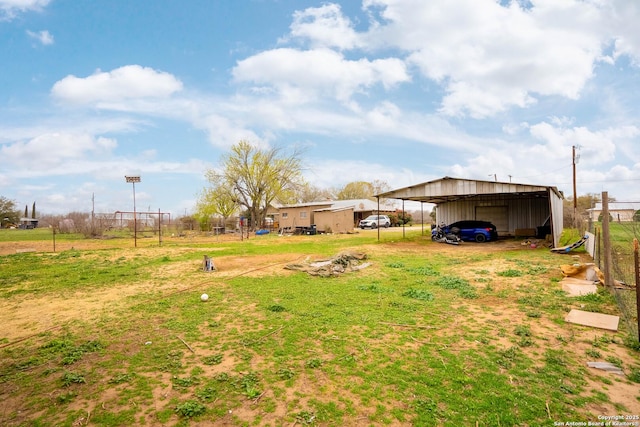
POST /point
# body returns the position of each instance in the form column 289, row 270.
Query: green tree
column 362, row 190
column 257, row 177
column 33, row 211
column 400, row 217
column 216, row 201
column 8, row 212
column 600, row 217
column 356, row 190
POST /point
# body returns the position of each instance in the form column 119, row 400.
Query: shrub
column 190, row 409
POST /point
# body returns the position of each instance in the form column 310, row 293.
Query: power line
column 544, row 173
column 602, row 181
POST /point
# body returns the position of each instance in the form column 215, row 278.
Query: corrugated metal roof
column 448, row 189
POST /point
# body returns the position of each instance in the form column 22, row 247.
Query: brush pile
column 341, row 263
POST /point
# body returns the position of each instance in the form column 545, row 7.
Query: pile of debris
column 587, row 274
column 582, row 279
column 341, row 263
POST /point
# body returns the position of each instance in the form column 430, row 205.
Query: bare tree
column 310, row 193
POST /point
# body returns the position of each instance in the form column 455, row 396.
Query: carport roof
column 449, row 189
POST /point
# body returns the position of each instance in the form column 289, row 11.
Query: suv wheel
column 386, row 225
column 481, row 238
column 374, row 225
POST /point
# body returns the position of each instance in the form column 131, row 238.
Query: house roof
column 306, row 204
column 450, row 189
column 358, row 205
column 618, row 206
column 334, row 209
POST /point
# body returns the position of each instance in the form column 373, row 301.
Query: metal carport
column 508, row 205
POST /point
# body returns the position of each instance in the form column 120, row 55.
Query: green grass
column 36, row 235
column 409, row 340
column 69, row 271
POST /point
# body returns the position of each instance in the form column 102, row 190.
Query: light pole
column 133, row 179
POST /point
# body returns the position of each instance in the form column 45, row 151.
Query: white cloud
column 224, row 132
column 303, row 75
column 43, row 37
column 623, row 18
column 328, row 173
column 487, row 56
column 490, row 57
column 595, row 147
column 52, row 151
column 601, row 163
column 10, row 8
column 124, row 83
column 324, row 26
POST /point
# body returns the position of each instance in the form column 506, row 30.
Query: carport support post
column 378, row 227
column 404, row 217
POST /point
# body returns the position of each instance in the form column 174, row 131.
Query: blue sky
column 403, row 91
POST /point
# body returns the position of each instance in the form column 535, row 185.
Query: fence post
column 606, row 239
column 637, row 271
column 598, row 249
column 159, row 228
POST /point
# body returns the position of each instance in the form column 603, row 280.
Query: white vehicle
column 375, row 221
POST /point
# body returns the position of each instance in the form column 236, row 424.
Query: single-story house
column 28, row 223
column 336, row 216
column 619, row 211
column 515, row 209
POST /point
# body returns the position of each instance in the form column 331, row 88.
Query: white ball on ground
column 204, row 297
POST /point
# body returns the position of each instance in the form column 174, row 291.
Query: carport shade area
column 515, row 209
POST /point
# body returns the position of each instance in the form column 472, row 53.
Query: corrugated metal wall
column 558, row 219
column 520, row 212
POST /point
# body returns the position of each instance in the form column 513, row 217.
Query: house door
column 498, row 215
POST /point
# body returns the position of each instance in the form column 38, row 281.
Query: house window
column 285, row 215
column 303, row 214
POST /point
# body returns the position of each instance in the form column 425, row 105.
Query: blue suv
column 473, row 231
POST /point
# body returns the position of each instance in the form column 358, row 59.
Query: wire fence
column 623, row 266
